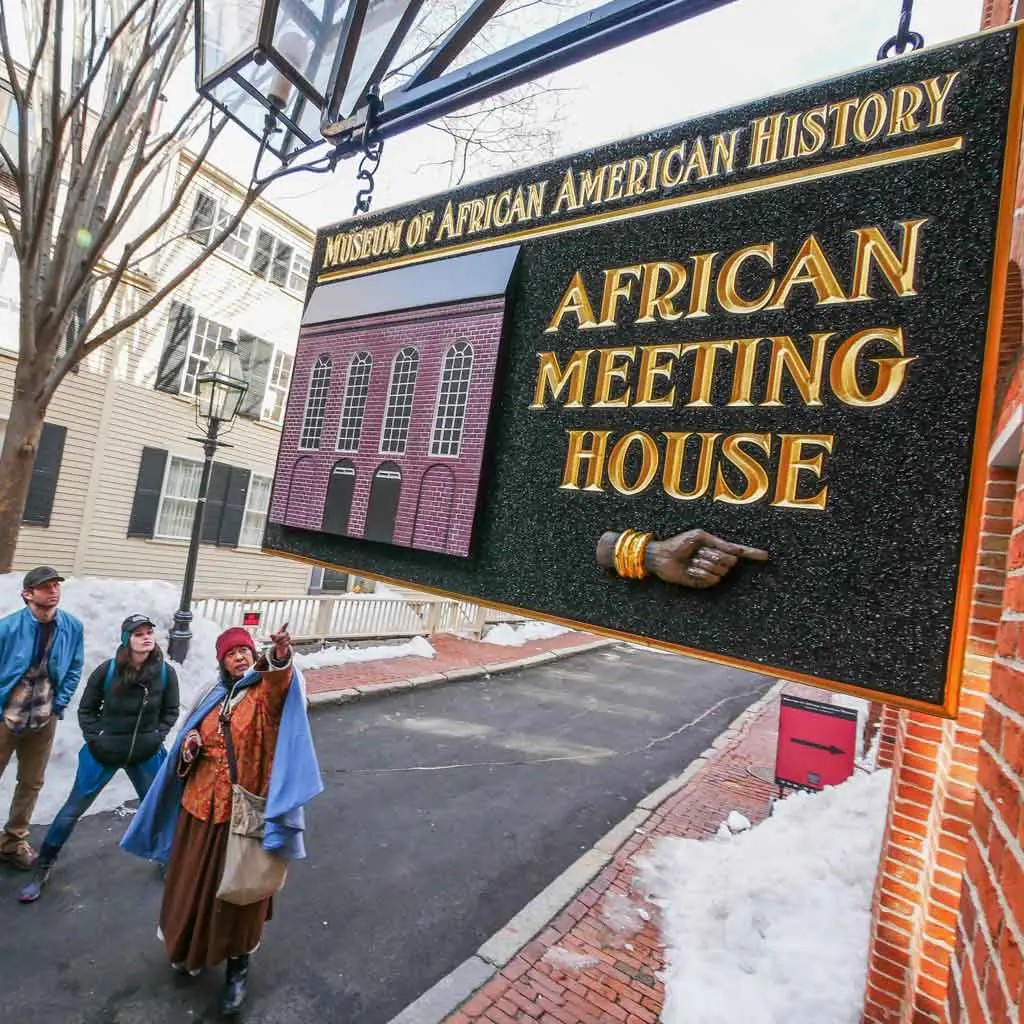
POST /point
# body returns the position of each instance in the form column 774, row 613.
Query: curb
column 383, row 689
column 455, row 988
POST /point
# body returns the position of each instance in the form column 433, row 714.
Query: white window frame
column 270, row 394
column 221, row 215
column 345, row 397
column 387, row 405
column 227, row 332
column 297, row 257
column 157, row 535
column 437, row 402
column 309, row 396
column 248, row 510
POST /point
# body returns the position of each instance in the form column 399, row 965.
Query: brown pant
column 33, row 750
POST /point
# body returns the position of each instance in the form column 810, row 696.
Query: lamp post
column 219, row 392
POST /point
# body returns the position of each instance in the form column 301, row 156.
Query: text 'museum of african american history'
column 725, row 387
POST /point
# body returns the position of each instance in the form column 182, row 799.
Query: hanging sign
column 724, row 388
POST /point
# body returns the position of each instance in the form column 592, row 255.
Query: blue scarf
column 294, row 781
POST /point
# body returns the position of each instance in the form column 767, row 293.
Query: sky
column 747, row 49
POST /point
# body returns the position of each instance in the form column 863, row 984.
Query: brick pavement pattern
column 453, row 654
column 617, row 977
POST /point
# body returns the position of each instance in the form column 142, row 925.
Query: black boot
column 33, row 889
column 234, row 987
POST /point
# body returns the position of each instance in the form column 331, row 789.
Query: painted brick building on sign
column 385, row 427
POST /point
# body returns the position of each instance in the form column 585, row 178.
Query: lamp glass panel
column 382, row 17
column 230, row 28
column 307, row 34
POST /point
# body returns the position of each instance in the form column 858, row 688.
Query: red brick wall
column 924, row 852
column 949, row 897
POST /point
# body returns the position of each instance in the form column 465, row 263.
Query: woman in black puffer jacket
column 129, row 706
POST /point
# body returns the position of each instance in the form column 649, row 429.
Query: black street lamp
column 219, row 392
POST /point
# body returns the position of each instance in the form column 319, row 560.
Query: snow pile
column 737, row 822
column 417, row 647
column 771, row 926
column 506, row 635
column 102, row 605
column 569, row 960
column 621, row 915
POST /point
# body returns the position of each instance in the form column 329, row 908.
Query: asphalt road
column 445, row 812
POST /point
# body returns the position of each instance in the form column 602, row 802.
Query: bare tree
column 87, row 99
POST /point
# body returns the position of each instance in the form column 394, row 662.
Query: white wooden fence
column 351, row 616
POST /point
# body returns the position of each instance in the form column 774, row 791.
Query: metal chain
column 372, row 150
column 904, row 37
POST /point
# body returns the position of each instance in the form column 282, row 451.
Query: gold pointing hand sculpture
column 692, row 559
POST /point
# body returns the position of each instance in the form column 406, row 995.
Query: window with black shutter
column 172, row 360
column 263, row 253
column 45, row 471
column 148, row 485
column 234, row 507
column 282, row 264
column 255, row 355
column 204, row 215
column 216, row 494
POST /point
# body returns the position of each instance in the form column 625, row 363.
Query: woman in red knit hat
column 250, row 702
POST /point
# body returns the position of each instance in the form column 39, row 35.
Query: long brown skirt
column 198, row 929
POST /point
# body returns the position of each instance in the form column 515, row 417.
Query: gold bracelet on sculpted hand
column 629, row 554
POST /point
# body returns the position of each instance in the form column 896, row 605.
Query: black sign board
column 777, row 324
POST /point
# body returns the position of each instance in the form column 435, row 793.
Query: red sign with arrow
column 817, row 744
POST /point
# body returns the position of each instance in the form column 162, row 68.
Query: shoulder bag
column 250, row 873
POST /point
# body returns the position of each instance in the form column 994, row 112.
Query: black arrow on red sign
column 818, row 746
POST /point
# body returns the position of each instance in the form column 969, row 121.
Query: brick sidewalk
column 616, row 980
column 455, row 657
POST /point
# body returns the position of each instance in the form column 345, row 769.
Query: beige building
column 115, row 483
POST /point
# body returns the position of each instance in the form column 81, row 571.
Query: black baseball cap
column 39, row 575
column 133, row 622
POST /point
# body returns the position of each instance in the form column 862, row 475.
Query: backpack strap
column 110, row 675
column 163, row 674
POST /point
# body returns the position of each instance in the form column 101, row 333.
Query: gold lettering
column 591, row 186
column 809, row 266
column 755, row 479
column 704, row 362
column 678, row 153
column 873, row 102
column 764, row 143
column 648, row 463
column 872, row 247
column 502, row 209
column 807, row 379
column 701, row 287
column 905, row 101
column 654, row 301
column 637, row 172
column 813, row 136
column 743, row 371
column 723, row 153
column 793, row 462
column 446, row 229
column 610, row 369
column 698, row 161
column 728, row 297
column 618, row 284
column 574, row 301
column 551, row 377
column 567, row 194
column 535, row 199
column 792, row 127
column 580, row 455
column 616, row 172
column 937, row 96
column 892, row 372
column 675, row 459
column 841, row 131
column 652, row 369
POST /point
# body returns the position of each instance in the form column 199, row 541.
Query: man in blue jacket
column 41, row 655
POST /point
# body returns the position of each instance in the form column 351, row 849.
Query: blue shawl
column 294, row 781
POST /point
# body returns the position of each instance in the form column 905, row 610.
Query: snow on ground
column 505, row 634
column 771, row 926
column 102, row 605
column 417, row 647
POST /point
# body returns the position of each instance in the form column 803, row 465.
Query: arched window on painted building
column 316, row 403
column 398, row 416
column 357, row 387
column 452, row 397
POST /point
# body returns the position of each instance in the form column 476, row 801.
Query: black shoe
column 235, row 986
column 32, row 890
